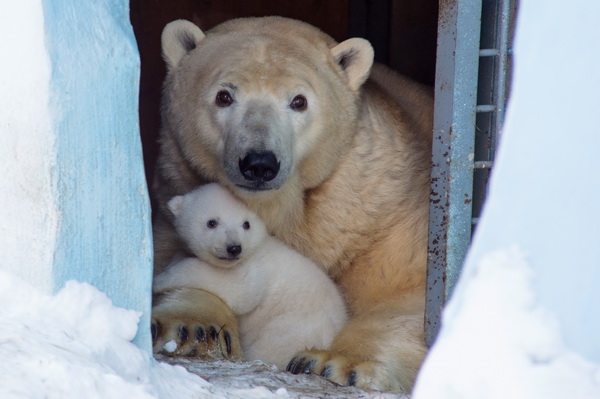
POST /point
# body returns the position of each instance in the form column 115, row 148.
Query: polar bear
column 332, row 152
column 285, row 303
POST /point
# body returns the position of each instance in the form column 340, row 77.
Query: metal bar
column 490, row 52
column 501, row 75
column 459, row 26
column 486, row 121
column 485, row 108
column 482, row 164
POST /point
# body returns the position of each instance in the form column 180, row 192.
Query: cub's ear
column 355, row 56
column 179, row 38
column 175, row 204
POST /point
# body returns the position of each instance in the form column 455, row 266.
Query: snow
column 499, row 342
column 523, row 320
column 76, row 344
column 28, row 212
column 544, row 189
column 170, row 346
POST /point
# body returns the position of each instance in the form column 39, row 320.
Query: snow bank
column 76, row 344
column 544, row 189
column 498, row 342
column 523, row 320
column 28, row 213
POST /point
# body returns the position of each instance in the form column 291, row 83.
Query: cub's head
column 257, row 101
column 216, row 227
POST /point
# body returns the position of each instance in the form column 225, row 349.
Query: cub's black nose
column 259, row 166
column 234, row 250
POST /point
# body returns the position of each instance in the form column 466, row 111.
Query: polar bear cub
column 285, row 303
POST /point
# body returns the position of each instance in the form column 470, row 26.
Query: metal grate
column 497, row 20
column 472, row 76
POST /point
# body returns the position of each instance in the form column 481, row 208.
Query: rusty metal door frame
column 455, row 131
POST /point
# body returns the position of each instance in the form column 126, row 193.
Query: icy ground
column 242, row 377
column 76, row 344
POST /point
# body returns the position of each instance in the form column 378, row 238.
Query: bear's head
column 259, row 104
column 216, row 227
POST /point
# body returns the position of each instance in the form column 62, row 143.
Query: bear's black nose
column 259, row 166
column 234, row 250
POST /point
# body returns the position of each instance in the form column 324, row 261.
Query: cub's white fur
column 284, row 302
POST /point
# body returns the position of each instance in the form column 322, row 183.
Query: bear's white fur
column 343, row 177
column 284, row 302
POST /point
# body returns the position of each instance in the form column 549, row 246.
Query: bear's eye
column 299, row 103
column 246, row 225
column 212, row 223
column 223, row 99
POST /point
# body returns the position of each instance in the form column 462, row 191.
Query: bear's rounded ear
column 179, row 38
column 175, row 204
column 355, row 57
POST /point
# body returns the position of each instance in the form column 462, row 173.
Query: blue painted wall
column 104, row 235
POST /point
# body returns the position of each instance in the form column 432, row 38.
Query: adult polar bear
column 336, row 164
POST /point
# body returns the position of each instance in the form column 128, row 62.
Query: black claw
column 309, row 366
column 298, row 366
column 326, row 372
column 154, row 327
column 201, row 334
column 290, row 365
column 228, row 342
column 183, row 333
column 352, row 379
column 214, row 334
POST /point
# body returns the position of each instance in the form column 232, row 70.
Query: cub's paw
column 342, row 370
column 194, row 323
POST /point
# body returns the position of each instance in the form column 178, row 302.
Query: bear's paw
column 194, row 323
column 345, row 370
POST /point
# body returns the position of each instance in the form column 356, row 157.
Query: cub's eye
column 299, row 103
column 212, row 224
column 223, row 99
column 246, row 225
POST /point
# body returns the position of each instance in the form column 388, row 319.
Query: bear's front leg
column 379, row 350
column 194, row 323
